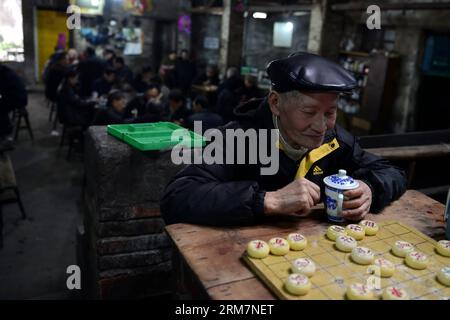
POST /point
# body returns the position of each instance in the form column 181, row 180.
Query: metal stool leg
column 63, row 136
column 19, row 200
column 14, row 115
column 69, row 151
column 27, row 121
column 55, row 121
column 19, row 121
column 50, row 114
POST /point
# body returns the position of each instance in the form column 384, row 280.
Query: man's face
column 210, row 72
column 110, row 77
column 65, row 60
column 175, row 105
column 152, row 93
column 146, row 77
column 119, row 104
column 304, row 119
column 117, row 65
column 73, row 80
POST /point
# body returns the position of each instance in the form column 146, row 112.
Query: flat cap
column 307, row 71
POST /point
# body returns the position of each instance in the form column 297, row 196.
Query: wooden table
column 204, row 88
column 207, row 259
column 412, row 153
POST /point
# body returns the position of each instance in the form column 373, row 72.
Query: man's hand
column 298, row 197
column 359, row 202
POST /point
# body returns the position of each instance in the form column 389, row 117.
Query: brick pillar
column 316, row 26
column 231, row 37
column 127, row 252
column 408, row 40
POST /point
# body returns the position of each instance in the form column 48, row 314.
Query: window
column 11, row 31
column 282, row 34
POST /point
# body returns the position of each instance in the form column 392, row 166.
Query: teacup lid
column 341, row 181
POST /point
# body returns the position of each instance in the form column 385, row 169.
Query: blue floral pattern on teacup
column 330, row 203
column 341, row 181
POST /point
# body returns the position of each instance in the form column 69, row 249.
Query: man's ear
column 274, row 102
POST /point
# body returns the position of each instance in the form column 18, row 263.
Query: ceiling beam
column 392, row 6
column 304, row 7
column 208, row 10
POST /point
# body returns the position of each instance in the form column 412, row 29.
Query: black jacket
column 124, row 75
column 90, row 70
column 184, row 74
column 223, row 194
column 72, row 109
column 13, row 93
column 102, row 87
column 111, row 116
column 54, row 78
column 208, row 119
column 145, row 108
column 229, row 98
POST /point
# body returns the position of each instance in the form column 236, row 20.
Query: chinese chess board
column 335, row 270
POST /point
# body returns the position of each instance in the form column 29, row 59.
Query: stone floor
column 37, row 251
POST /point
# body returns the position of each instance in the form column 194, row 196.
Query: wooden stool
column 73, row 134
column 20, row 114
column 52, row 106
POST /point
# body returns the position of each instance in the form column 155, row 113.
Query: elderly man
column 302, row 105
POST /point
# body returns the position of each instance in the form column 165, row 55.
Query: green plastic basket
column 155, row 135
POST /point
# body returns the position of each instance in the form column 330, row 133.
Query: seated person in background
column 301, row 107
column 178, row 113
column 50, row 61
column 209, row 78
column 210, row 81
column 55, row 75
column 90, row 69
column 72, row 109
column 167, row 69
column 108, row 56
column 229, row 98
column 184, row 72
column 144, row 79
column 250, row 89
column 232, row 73
column 72, row 56
column 105, row 84
column 13, row 95
column 201, row 113
column 123, row 73
column 149, row 103
column 115, row 110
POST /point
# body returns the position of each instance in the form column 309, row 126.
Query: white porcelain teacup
column 335, row 186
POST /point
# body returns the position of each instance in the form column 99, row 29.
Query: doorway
column 433, row 95
column 164, row 40
column 51, row 28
